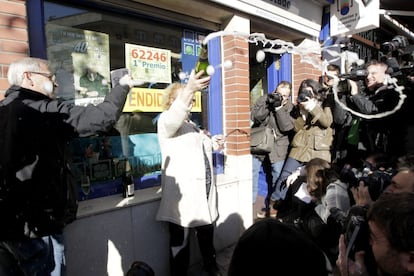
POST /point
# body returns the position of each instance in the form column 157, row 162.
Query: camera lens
column 304, row 94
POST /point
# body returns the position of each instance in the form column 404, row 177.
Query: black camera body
column 304, row 94
column 358, row 73
column 274, row 100
column 377, row 180
column 397, row 43
column 354, row 228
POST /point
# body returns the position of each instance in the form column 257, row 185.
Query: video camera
column 397, row 43
column 398, row 54
column 357, row 73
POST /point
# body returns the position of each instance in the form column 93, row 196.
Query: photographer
column 313, row 132
column 402, row 181
column 345, row 143
column 273, row 110
column 390, row 220
column 382, row 134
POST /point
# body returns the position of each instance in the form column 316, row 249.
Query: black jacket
column 37, row 196
column 383, row 134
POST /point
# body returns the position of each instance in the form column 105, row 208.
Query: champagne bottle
column 202, row 62
column 128, row 187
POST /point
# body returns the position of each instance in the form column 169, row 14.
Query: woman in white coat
column 189, row 198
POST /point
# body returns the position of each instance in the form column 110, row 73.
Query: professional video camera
column 399, row 42
column 357, row 72
column 398, row 54
column 274, row 100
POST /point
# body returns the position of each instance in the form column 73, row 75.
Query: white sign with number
column 148, row 64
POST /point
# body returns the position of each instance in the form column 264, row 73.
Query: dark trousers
column 179, row 261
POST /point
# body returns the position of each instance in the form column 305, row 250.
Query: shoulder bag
column 261, row 140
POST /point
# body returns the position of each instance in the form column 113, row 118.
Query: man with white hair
column 37, row 194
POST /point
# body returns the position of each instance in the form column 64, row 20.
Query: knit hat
column 270, row 247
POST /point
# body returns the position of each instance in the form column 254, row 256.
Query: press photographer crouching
column 391, row 221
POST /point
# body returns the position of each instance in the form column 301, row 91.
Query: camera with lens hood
column 274, row 100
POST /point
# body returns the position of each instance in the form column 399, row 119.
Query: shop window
column 84, row 45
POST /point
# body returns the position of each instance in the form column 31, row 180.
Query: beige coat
column 184, row 201
column 313, row 137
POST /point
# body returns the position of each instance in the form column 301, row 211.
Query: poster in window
column 80, row 60
column 148, row 64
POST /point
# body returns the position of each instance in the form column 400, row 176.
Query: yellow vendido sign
column 150, row 100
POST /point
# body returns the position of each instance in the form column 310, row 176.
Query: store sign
column 80, row 60
column 354, row 16
column 281, row 3
column 150, row 100
column 303, row 16
column 148, row 64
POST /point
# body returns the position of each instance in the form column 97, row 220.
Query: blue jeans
column 288, row 168
column 58, row 253
column 276, row 169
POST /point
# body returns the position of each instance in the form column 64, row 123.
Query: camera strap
column 352, row 239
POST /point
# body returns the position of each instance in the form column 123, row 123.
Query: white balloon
column 182, row 75
column 227, row 64
column 210, row 70
column 260, row 56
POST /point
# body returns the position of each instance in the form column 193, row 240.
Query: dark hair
column 394, row 214
column 281, row 247
column 316, row 87
column 139, row 268
column 333, row 67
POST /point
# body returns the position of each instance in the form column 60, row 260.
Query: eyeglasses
column 50, row 76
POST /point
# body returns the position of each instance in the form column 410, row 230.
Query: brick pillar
column 14, row 42
column 301, row 71
column 236, row 96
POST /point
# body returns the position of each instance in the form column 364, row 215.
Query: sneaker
column 263, row 213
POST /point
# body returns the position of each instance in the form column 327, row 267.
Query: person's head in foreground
column 270, row 247
column 391, row 224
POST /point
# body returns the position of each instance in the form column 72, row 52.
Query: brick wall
column 301, row 71
column 14, row 42
column 236, row 96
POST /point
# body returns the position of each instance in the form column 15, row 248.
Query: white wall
column 107, row 242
